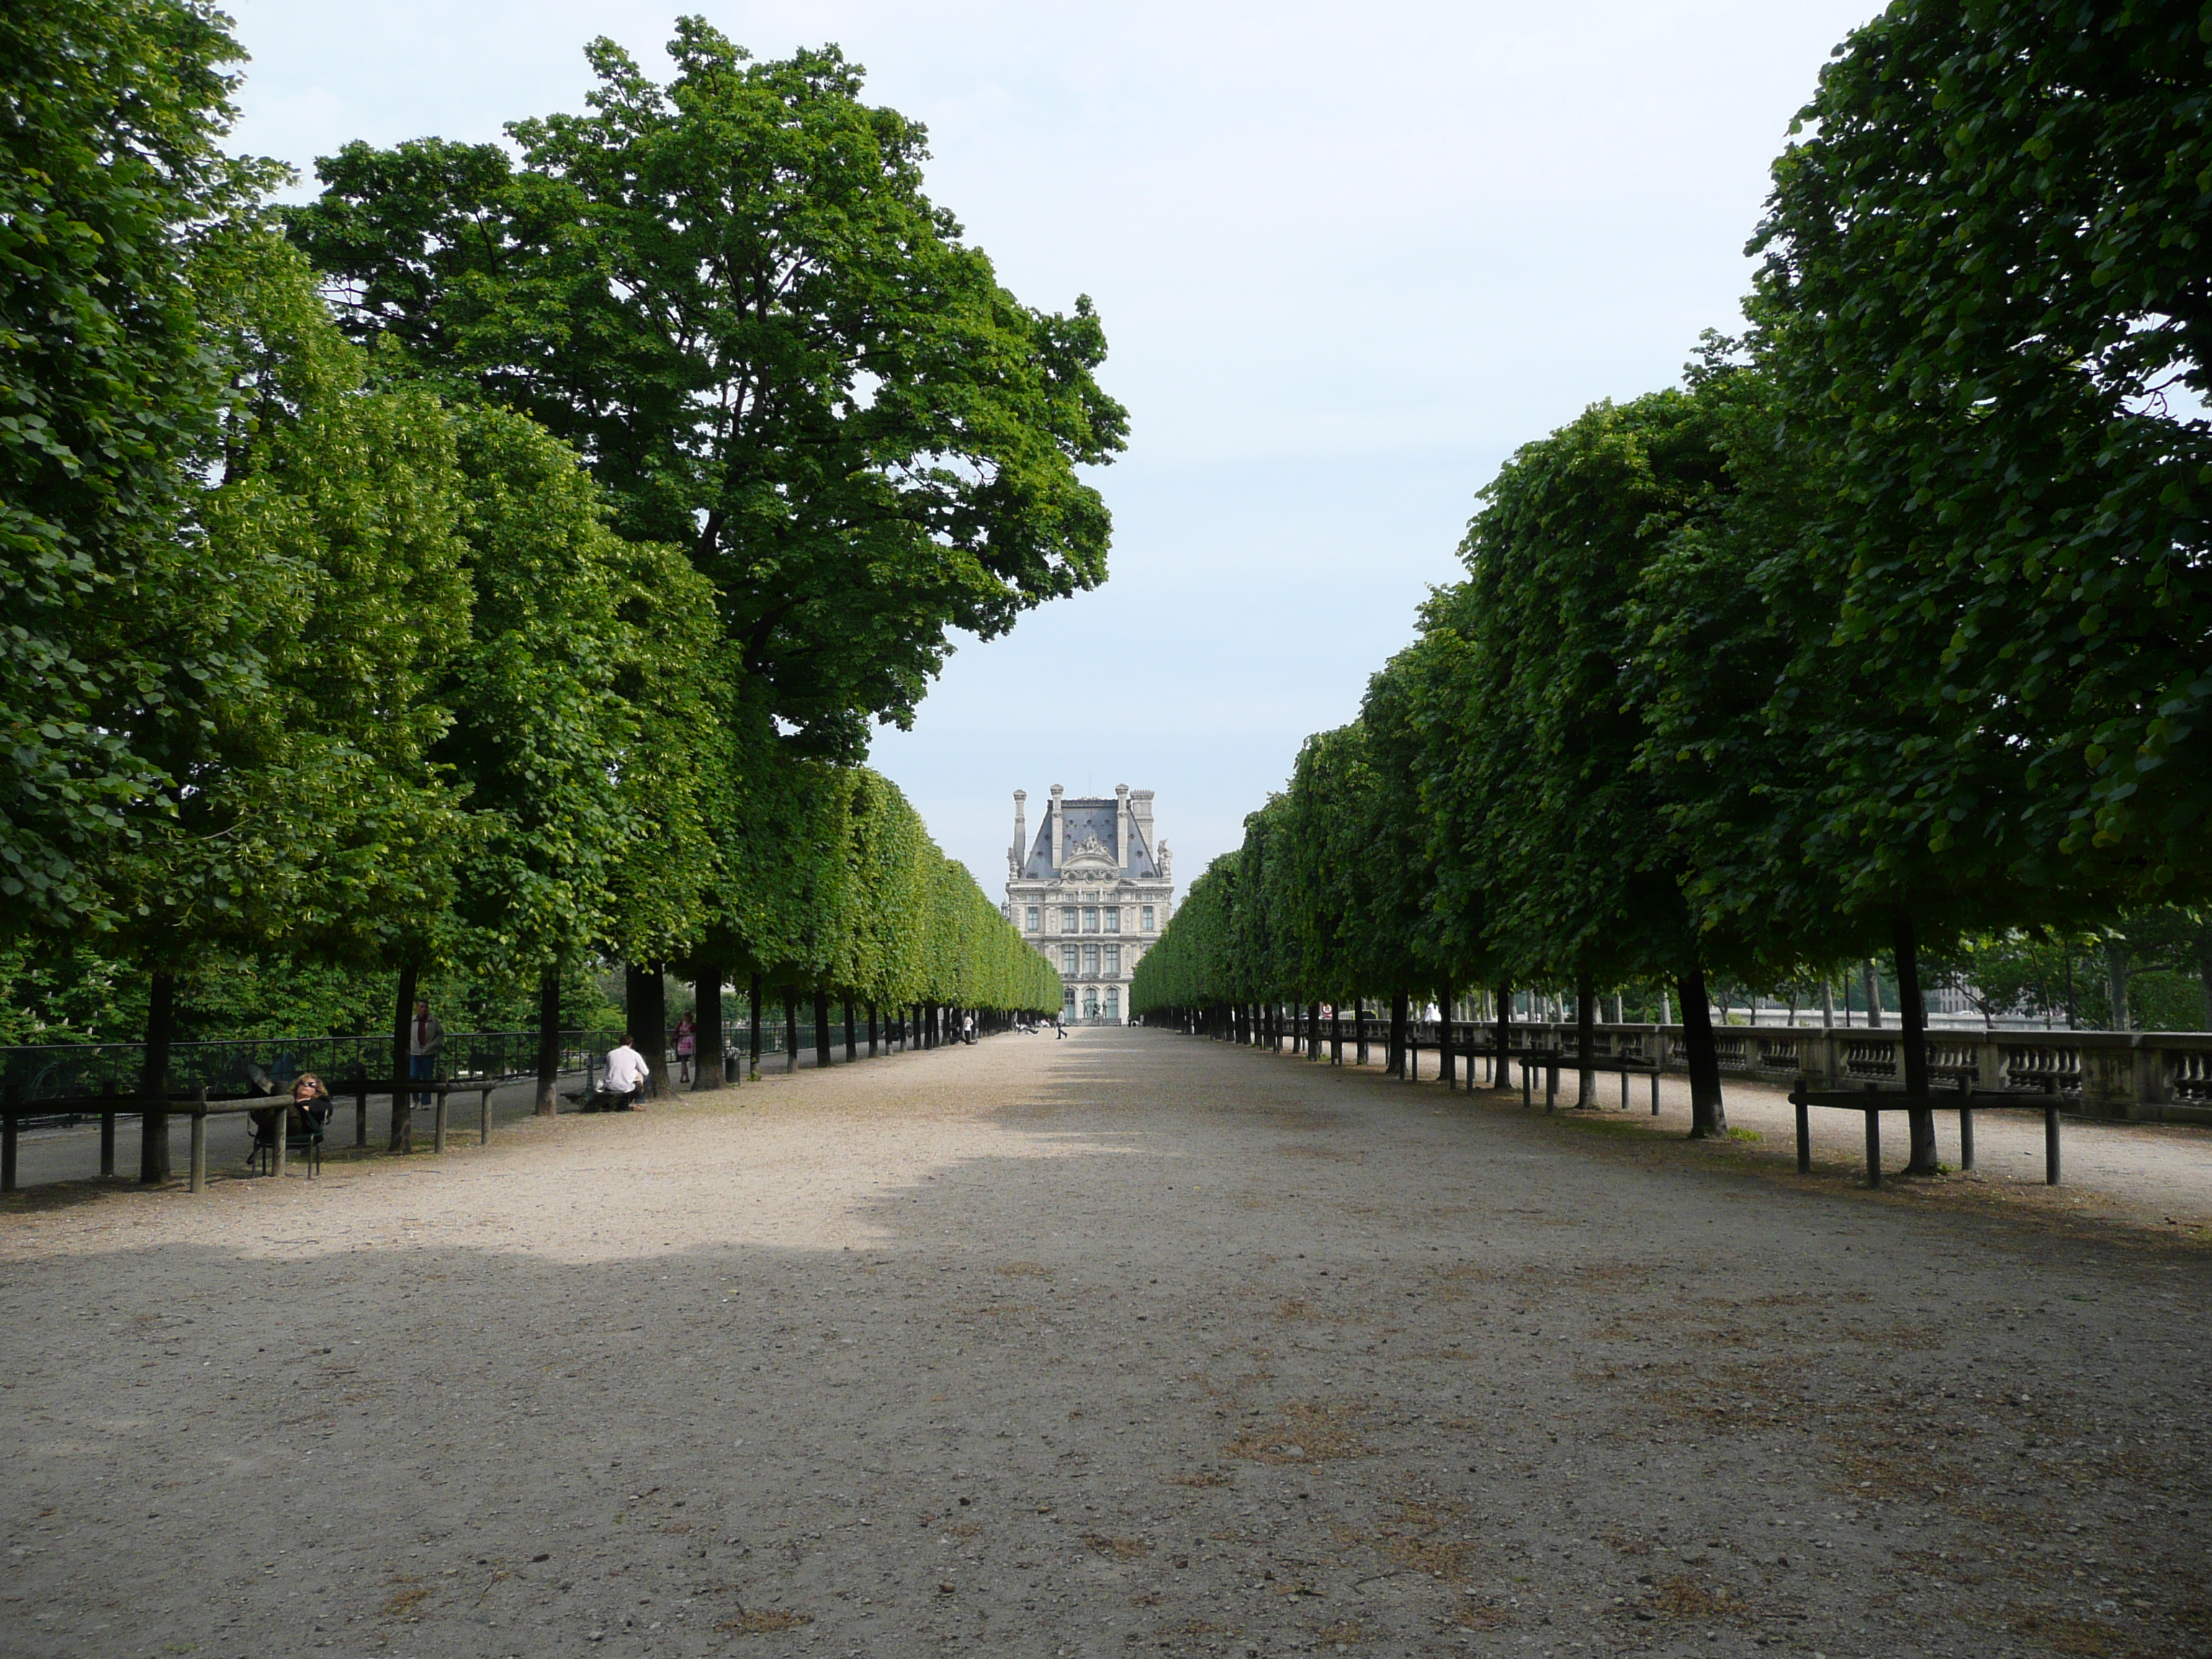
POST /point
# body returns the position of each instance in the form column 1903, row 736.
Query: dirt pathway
column 1130, row 1343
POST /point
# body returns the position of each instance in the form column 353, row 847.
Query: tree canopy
column 732, row 296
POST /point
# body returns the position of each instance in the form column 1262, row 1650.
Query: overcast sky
column 1348, row 258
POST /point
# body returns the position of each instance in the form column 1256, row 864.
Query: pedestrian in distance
column 426, row 1035
column 686, row 1044
column 968, row 1028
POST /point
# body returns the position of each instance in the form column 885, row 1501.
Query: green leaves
column 732, row 296
column 1984, row 279
column 109, row 114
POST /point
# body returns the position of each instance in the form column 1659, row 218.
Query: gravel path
column 1130, row 1343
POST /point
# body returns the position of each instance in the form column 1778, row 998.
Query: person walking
column 1059, row 1027
column 968, row 1028
column 426, row 1035
column 686, row 1044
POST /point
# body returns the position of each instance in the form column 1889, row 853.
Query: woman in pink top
column 687, row 1042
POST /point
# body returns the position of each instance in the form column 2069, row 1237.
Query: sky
column 1348, row 258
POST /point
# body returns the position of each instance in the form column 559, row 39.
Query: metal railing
column 227, row 1070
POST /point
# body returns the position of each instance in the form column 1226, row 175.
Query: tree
column 578, row 730
column 1546, row 796
column 1984, row 288
column 732, row 297
column 112, row 112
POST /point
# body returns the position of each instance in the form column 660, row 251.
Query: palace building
column 1092, row 892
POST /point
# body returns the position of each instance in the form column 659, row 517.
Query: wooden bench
column 1556, row 1061
column 1874, row 1103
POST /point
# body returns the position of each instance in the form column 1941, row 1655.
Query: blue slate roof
column 1081, row 818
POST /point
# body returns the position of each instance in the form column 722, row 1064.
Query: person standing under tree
column 686, row 1043
column 426, row 1035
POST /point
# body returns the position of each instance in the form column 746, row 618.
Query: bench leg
column 1965, row 1138
column 440, row 1142
column 1873, row 1148
column 1551, row 1087
column 107, row 1143
column 2050, row 1146
column 8, row 1134
column 279, row 1148
column 200, row 1151
column 1655, row 1091
column 1804, row 1138
column 1623, row 1088
column 483, row 1118
column 361, row 1117
column 1528, row 1099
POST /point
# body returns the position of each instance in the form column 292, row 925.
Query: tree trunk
column 1585, row 1040
column 154, row 1081
column 402, row 1138
column 2116, row 983
column 645, row 993
column 821, row 1030
column 790, row 1030
column 753, row 1028
column 1872, row 987
column 1912, row 1018
column 708, row 1070
column 549, row 1040
column 852, row 1042
column 871, row 1030
column 1708, row 1117
column 1501, row 1074
column 1398, row 1019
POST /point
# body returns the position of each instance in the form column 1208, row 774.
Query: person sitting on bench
column 311, row 1105
column 303, row 1119
column 625, row 1077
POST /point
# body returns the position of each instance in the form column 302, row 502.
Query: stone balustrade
column 2145, row 1077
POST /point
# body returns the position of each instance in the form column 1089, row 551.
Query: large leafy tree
column 732, row 296
column 1987, row 301
column 578, row 733
column 112, row 112
column 1546, row 797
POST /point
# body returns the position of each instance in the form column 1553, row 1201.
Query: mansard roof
column 1082, row 820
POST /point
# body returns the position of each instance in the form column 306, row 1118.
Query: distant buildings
column 1092, row 892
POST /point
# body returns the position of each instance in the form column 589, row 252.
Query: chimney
column 1058, row 826
column 1121, row 825
column 1021, row 827
column 1140, row 814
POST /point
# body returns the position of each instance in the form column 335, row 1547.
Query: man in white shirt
column 625, row 1076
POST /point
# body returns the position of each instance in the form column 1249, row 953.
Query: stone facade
column 1092, row 892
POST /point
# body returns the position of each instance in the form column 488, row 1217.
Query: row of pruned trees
column 497, row 560
column 1890, row 628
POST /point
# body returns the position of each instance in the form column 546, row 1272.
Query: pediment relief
column 1092, row 851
